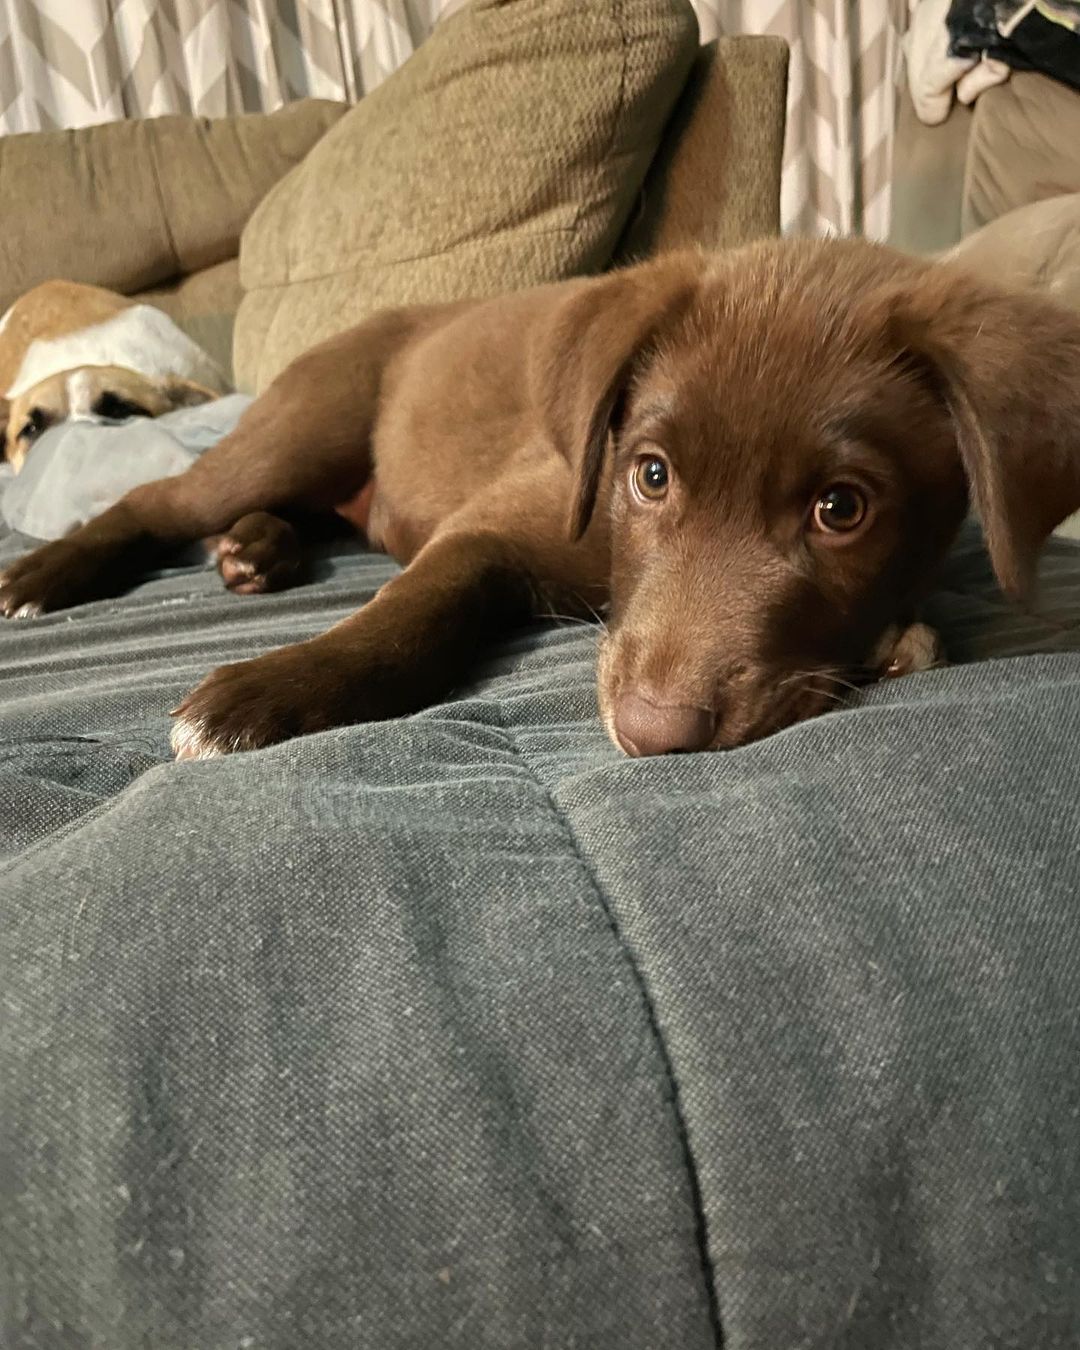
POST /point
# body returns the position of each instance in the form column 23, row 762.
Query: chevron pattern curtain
column 71, row 63
column 842, row 97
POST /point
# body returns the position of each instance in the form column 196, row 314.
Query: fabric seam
column 159, row 193
column 362, row 259
column 701, row 1226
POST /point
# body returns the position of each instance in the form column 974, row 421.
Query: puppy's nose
column 643, row 727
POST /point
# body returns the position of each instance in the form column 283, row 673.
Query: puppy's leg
column 304, row 442
column 259, row 553
column 404, row 649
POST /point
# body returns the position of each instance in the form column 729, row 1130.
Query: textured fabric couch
column 151, row 208
column 465, row 1031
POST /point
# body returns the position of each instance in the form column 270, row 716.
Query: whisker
column 811, row 681
column 596, row 620
column 825, row 693
column 567, row 618
column 802, row 675
column 833, row 678
column 593, row 611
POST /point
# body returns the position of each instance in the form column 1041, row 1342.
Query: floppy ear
column 183, row 393
column 1007, row 367
column 584, row 355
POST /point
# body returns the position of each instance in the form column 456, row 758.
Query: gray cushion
column 464, row 1031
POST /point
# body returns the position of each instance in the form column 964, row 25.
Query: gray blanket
column 463, row 1031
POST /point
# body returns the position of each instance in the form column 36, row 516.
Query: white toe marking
column 190, row 741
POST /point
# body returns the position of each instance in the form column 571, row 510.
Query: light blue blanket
column 78, row 469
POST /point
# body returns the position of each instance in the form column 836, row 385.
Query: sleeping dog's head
column 90, row 394
column 784, row 439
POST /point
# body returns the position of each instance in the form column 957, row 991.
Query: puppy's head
column 90, row 394
column 783, row 439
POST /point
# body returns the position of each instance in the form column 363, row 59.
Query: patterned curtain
column 842, row 98
column 72, row 63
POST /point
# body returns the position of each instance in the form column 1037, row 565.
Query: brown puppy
column 758, row 459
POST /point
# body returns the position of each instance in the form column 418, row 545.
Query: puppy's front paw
column 914, row 648
column 249, row 706
column 51, row 577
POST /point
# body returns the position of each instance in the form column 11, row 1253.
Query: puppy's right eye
column 650, row 478
column 840, row 508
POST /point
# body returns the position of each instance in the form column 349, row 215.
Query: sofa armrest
column 1024, row 147
column 134, row 204
column 1019, row 144
column 715, row 180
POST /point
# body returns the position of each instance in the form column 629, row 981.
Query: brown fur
column 492, row 446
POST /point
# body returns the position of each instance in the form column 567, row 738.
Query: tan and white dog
column 70, row 352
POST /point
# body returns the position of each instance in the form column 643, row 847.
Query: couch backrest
column 134, row 204
column 715, row 182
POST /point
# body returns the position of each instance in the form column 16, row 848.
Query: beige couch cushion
column 134, row 204
column 507, row 151
column 928, row 179
column 204, row 305
column 1036, row 245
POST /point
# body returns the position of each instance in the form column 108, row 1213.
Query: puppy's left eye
column 651, row 478
column 839, row 509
